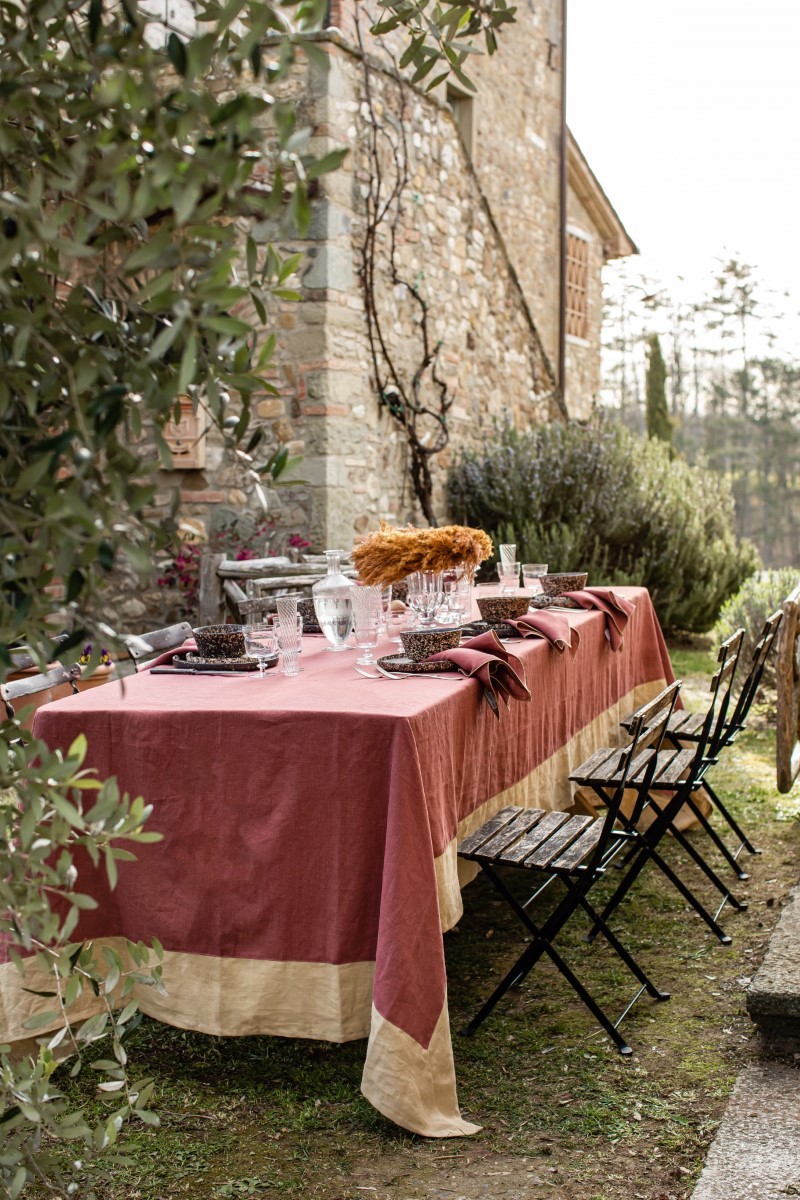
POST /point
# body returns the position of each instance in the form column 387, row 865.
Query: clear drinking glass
column 367, row 614
column 261, row 642
column 289, row 633
column 299, row 633
column 531, row 575
column 425, row 595
column 386, row 606
column 456, row 588
column 333, row 603
column 461, row 599
column 398, row 622
column 508, row 574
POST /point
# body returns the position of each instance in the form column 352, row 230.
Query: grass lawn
column 563, row 1115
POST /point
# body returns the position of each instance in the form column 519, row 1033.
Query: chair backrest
column 256, row 608
column 637, row 761
column 22, row 660
column 747, row 694
column 142, row 647
column 713, row 731
column 33, row 685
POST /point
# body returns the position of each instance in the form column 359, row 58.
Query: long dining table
column 308, row 865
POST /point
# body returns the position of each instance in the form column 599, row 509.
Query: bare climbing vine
column 418, row 397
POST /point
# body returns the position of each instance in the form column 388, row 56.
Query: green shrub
column 748, row 609
column 601, row 500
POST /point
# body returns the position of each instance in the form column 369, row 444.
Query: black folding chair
column 685, row 727
column 33, row 685
column 142, row 647
column 576, row 850
column 677, row 783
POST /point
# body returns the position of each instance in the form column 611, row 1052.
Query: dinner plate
column 400, row 662
column 193, row 662
column 554, row 602
column 501, row 628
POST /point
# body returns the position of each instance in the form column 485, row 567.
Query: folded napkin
column 165, row 659
column 616, row 607
column 486, row 659
column 554, row 627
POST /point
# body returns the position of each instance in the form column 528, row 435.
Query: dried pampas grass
column 390, row 554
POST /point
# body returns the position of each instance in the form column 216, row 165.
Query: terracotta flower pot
column 101, row 674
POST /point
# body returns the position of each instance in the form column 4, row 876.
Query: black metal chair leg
column 620, row 892
column 624, row 954
column 708, row 871
column 647, row 852
column 718, row 804
column 589, row 1001
column 724, row 850
column 522, row 967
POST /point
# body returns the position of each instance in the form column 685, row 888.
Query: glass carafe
column 333, row 602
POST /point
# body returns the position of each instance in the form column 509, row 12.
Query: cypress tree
column 658, row 422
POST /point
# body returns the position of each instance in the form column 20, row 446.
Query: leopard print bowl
column 421, row 643
column 220, row 641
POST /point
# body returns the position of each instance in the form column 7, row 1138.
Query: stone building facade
column 470, row 250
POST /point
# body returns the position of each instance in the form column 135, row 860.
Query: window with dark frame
column 577, row 280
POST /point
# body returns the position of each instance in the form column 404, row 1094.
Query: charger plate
column 554, row 602
column 193, row 662
column 400, row 662
column 501, row 628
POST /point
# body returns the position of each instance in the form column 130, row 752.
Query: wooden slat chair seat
column 676, row 788
column 145, row 646
column 575, row 850
column 34, row 685
column 603, row 769
column 687, row 725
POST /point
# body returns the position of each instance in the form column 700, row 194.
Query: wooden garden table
column 308, row 863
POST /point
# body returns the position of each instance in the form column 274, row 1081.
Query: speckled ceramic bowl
column 503, row 608
column 421, row 643
column 400, row 590
column 309, row 614
column 567, row 581
column 220, row 641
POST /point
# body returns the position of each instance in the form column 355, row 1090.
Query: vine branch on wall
column 402, row 393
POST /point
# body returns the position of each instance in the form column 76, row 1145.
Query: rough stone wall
column 478, row 235
column 353, row 452
column 447, row 245
column 516, row 117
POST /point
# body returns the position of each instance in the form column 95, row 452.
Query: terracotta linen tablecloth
column 310, row 827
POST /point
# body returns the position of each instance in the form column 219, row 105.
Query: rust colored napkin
column 165, row 659
column 486, row 659
column 553, row 627
column 616, row 607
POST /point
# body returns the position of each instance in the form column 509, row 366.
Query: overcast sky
column 687, row 112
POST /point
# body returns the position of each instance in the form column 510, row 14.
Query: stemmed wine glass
column 261, row 642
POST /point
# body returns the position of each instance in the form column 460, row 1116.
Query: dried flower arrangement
column 390, row 554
